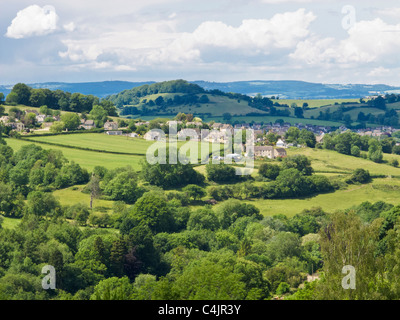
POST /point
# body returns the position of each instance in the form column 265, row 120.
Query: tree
column 375, row 150
column 57, row 127
column 99, row 115
column 203, row 218
column 227, row 116
column 292, row 134
column 221, row 172
column 37, row 98
column 193, row 191
column 152, row 209
column 308, row 138
column 171, row 175
column 94, row 188
column 360, row 176
column 12, row 98
column 298, row 112
column 71, row 121
column 113, row 289
column 233, row 209
column 355, row 151
column 346, row 240
column 22, row 93
column 269, row 171
column 299, row 162
column 1, row 98
column 124, row 187
column 41, row 204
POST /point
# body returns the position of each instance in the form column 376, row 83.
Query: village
column 212, row 132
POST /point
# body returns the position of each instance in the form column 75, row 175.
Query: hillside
column 172, row 97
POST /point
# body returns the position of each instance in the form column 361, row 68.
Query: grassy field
column 323, row 160
column 74, row 195
column 314, row 103
column 98, row 141
column 267, row 119
column 87, row 159
column 378, row 190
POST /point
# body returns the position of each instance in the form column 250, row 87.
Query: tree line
column 57, row 99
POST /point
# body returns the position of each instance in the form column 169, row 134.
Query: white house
column 281, row 144
column 153, row 136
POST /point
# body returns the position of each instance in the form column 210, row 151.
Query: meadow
column 104, row 149
column 314, row 103
column 87, row 159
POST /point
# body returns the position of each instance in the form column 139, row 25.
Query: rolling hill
column 283, row 89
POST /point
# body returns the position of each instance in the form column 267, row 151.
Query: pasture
column 314, row 103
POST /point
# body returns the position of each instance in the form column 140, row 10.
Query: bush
column 269, row 171
column 359, row 176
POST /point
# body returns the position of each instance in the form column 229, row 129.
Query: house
column 281, row 144
column 132, row 135
column 153, row 136
column 32, row 111
column 114, row 133
column 264, row 151
column 40, row 118
column 320, row 138
column 87, row 124
column 18, row 126
column 110, row 125
column 280, row 153
column 216, row 126
column 197, row 124
column 4, row 119
column 194, row 134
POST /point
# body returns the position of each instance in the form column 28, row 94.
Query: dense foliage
column 57, row 99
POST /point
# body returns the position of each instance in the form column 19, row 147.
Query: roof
column 261, row 148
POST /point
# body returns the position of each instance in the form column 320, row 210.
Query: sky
column 322, row 41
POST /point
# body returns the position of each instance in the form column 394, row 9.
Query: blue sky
column 220, row 40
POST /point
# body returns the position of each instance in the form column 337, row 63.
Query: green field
column 267, row 119
column 134, row 147
column 330, row 202
column 99, row 141
column 330, row 161
column 314, row 103
column 87, row 159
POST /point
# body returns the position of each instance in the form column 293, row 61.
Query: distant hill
column 283, row 89
column 298, row 89
column 174, row 96
column 98, row 89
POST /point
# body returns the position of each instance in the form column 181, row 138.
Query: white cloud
column 379, row 72
column 367, row 42
column 252, row 37
column 33, row 21
column 158, row 43
column 69, row 26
